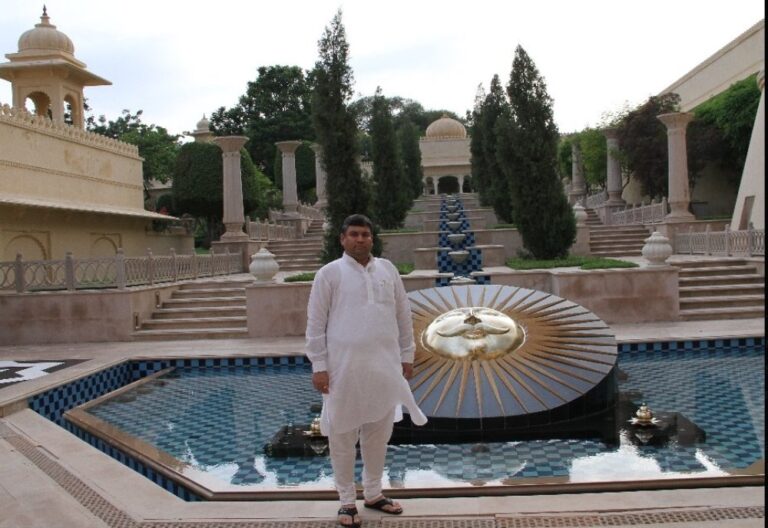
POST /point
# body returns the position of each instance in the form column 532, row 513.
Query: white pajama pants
column 373, row 449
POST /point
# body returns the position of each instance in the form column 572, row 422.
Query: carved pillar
column 461, row 184
column 234, row 216
column 320, row 177
column 679, row 190
column 613, row 179
column 290, row 197
column 578, row 185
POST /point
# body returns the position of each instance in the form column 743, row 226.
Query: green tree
column 392, row 194
column 594, row 152
column 158, row 148
column 643, row 143
column 275, row 107
column 198, row 188
column 408, row 138
column 336, row 133
column 527, row 153
column 492, row 178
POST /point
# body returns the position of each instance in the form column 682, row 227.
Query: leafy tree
column 275, row 107
column 392, row 196
column 408, row 138
column 594, row 152
column 158, row 148
column 527, row 139
column 336, row 133
column 643, row 143
column 198, row 187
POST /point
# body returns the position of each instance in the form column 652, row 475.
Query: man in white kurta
column 360, row 342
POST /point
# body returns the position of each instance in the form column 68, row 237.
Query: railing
column 113, row 272
column 747, row 242
column 264, row 230
column 311, row 211
column 652, row 213
column 594, row 201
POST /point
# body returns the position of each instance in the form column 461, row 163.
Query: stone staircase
column 211, row 309
column 302, row 254
column 725, row 288
column 614, row 240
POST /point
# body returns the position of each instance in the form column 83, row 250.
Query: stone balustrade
column 652, row 213
column 21, row 118
column 748, row 242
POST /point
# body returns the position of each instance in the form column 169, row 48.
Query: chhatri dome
column 44, row 38
column 446, row 127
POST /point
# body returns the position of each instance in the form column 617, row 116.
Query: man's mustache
column 464, row 328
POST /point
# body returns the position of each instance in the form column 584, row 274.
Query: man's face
column 473, row 333
column 357, row 242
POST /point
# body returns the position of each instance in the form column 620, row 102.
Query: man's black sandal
column 382, row 503
column 351, row 512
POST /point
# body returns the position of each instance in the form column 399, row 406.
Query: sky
column 177, row 60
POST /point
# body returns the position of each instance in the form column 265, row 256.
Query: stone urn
column 657, row 250
column 263, row 266
column 581, row 214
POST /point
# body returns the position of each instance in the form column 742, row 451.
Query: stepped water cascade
column 457, row 253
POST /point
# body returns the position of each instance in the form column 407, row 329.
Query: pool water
column 218, row 420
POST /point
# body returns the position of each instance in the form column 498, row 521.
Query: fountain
column 453, row 226
column 456, row 238
column 453, row 216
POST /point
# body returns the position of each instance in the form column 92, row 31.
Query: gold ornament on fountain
column 473, row 333
column 314, row 427
column 644, row 416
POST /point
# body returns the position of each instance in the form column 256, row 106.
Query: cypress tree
column 479, row 171
column 336, row 133
column 495, row 107
column 392, row 196
column 408, row 137
column 527, row 152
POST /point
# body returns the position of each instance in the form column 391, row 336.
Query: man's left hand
column 407, row 370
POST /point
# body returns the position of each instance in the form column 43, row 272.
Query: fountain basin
column 456, row 238
column 459, row 256
column 452, row 216
column 453, row 226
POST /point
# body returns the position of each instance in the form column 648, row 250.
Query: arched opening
column 467, row 187
column 41, row 104
column 448, row 185
column 29, row 247
column 73, row 112
column 103, row 247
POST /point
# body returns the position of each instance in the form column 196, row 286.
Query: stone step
column 722, row 289
column 199, row 322
column 615, row 247
column 280, row 244
column 209, row 302
column 718, row 270
column 612, row 243
column 301, row 267
column 715, row 280
column 199, row 293
column 191, row 313
column 619, row 253
column 187, row 334
column 207, row 285
column 709, row 263
column 618, row 236
column 722, row 301
column 705, row 314
column 297, row 252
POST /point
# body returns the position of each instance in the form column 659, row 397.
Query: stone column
column 461, row 184
column 613, row 179
column 234, row 217
column 290, row 196
column 320, row 177
column 578, row 185
column 679, row 190
column 434, row 185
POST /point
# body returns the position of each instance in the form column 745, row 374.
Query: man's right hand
column 320, row 381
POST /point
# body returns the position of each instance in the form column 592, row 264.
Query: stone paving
column 49, row 478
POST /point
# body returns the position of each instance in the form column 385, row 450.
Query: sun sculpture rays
column 496, row 351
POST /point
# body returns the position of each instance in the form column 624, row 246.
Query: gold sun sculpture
column 493, row 351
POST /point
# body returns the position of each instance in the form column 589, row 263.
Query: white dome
column 45, row 37
column 446, row 127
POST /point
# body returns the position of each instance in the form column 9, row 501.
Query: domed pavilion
column 445, row 156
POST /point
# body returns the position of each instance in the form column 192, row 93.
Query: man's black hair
column 357, row 220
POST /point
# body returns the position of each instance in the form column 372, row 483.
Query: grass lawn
column 403, row 267
column 569, row 262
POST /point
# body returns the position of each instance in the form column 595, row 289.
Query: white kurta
column 359, row 330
